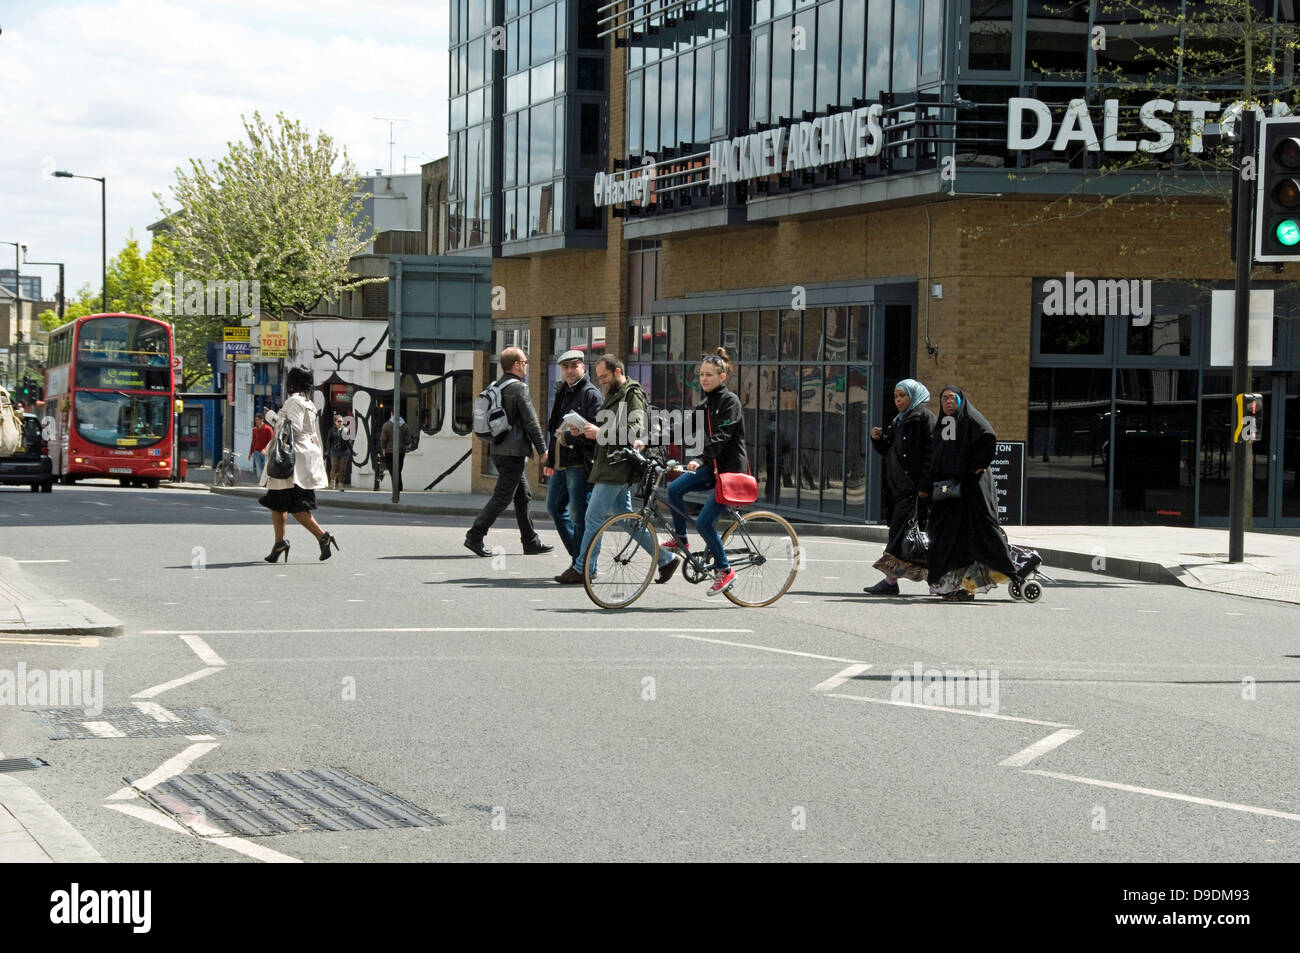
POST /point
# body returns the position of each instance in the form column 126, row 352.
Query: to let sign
column 274, row 339
column 1008, row 469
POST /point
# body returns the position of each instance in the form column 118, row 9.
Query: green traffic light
column 1288, row 232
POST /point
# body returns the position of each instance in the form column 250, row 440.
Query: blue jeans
column 606, row 500
column 259, row 464
column 707, row 522
column 566, row 501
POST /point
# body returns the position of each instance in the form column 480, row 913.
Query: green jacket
column 622, row 420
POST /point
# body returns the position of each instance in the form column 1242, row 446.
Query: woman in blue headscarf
column 905, row 444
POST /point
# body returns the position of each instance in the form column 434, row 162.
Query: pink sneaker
column 722, row 582
column 674, row 546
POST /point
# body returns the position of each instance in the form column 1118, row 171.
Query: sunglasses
column 713, row 359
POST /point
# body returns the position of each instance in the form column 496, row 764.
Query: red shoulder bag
column 732, row 489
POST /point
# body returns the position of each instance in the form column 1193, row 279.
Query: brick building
column 847, row 192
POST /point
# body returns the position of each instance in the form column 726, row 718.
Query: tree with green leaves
column 280, row 209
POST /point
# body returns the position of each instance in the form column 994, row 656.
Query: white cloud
column 132, row 89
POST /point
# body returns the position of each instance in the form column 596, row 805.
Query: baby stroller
column 1024, row 586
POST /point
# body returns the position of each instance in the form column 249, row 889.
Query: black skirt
column 293, row 500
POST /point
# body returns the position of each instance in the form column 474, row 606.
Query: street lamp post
column 18, row 308
column 54, row 264
column 103, row 229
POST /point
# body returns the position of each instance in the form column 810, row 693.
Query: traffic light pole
column 1243, row 235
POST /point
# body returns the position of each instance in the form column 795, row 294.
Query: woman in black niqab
column 968, row 549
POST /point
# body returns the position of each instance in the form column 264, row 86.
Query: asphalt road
column 1111, row 722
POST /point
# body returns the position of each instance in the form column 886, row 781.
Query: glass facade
column 470, row 182
column 533, row 140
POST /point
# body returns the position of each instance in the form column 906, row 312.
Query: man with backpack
column 386, row 447
column 571, row 454
column 505, row 418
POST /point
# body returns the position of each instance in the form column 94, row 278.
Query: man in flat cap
column 570, row 453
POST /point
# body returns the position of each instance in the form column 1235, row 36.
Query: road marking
column 1227, row 805
column 830, row 577
column 951, row 711
column 356, row 600
column 462, row 628
column 1153, row 611
column 745, row 645
column 171, row 603
column 1234, row 613
column 1060, row 608
column 835, row 681
column 168, row 769
column 102, row 729
column 156, row 711
column 23, row 562
column 202, row 650
column 177, row 682
column 237, row 844
column 1039, row 748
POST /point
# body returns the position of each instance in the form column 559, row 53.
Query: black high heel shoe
column 326, row 542
column 281, row 547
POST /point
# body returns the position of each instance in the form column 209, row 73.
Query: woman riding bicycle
column 723, row 452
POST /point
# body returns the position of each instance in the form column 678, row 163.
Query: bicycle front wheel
column 622, row 560
column 764, row 552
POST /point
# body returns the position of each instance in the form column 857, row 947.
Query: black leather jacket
column 585, row 398
column 724, row 432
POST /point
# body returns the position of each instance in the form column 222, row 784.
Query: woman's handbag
column 11, row 427
column 944, row 490
column 915, row 545
column 732, row 489
column 279, row 453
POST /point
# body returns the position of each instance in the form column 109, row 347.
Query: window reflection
column 1069, row 436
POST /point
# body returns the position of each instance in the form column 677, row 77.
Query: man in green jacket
column 622, row 421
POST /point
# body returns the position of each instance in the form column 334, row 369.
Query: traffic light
column 1277, row 203
column 1250, row 413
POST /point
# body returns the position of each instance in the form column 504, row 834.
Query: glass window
column 677, row 335
column 1139, row 48
column 635, row 95
column 932, row 37
column 853, row 40
column 812, row 335
column 522, row 147
column 761, row 84
column 508, row 149
column 782, row 40
column 525, row 42
column 476, row 64
column 685, row 96
column 720, row 87
column 1155, row 446
column 768, row 336
column 1069, row 439
column 651, row 137
column 694, row 337
column 828, row 51
column 1168, row 335
column 560, row 143
column 512, row 46
column 1071, row 334
column 462, row 402
column 559, row 75
column 907, row 42
column 543, row 80
column 989, row 46
column 660, row 338
column 544, row 34
column 877, row 75
column 668, row 104
column 589, row 137
column 475, row 107
column 543, row 143
column 804, row 50
column 762, row 10
column 457, row 118
column 703, row 95
column 517, row 92
column 832, row 438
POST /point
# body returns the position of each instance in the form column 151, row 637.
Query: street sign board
column 237, row 350
column 417, row 362
column 274, row 339
column 229, row 333
column 1008, row 469
column 444, row 302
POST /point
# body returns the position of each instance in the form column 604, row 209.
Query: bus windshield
column 122, row 420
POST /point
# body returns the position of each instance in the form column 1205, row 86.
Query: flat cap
column 572, row 355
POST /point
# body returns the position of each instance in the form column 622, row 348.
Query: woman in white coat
column 297, row 495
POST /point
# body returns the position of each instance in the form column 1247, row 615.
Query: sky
column 130, row 90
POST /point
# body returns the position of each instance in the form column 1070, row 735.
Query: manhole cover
column 21, row 764
column 74, row 724
column 284, row 802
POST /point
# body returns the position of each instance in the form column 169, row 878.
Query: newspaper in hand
column 576, row 420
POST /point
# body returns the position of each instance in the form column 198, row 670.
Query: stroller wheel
column 1013, row 588
column 1032, row 591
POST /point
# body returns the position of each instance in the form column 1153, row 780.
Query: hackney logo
column 1098, row 297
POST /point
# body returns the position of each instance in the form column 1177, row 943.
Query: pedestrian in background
column 257, row 447
column 905, row 445
column 336, row 444
column 297, row 494
column 386, row 447
column 968, row 549
column 510, row 455
column 571, row 453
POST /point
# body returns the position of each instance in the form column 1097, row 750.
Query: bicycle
column 762, row 548
column 226, row 473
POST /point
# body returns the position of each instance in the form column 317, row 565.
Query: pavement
column 26, row 608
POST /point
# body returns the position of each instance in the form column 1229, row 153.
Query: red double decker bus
column 109, row 399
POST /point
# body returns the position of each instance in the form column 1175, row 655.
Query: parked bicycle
column 226, row 473
column 761, row 547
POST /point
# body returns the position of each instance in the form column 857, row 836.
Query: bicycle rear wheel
column 765, row 557
column 623, row 567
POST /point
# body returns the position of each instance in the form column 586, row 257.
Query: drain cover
column 284, row 802
column 73, row 723
column 21, row 764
